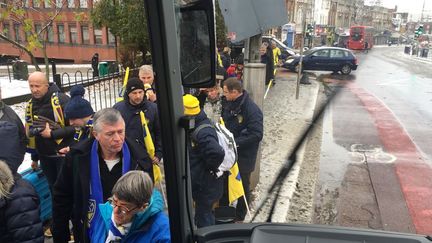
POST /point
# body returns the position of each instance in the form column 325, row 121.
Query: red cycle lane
column 413, row 172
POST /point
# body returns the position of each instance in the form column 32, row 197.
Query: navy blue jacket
column 134, row 128
column 71, row 190
column 245, row 120
column 205, row 154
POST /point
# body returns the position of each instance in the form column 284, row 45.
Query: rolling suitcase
column 40, row 183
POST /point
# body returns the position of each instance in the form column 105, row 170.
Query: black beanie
column 78, row 107
column 133, row 84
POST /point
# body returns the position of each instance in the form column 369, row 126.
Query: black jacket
column 19, row 214
column 245, row 120
column 205, row 153
column 71, row 191
column 43, row 107
column 267, row 59
column 134, row 128
column 7, row 114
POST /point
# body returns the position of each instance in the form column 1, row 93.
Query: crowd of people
column 100, row 166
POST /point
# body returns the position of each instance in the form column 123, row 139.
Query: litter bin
column 112, row 66
column 103, row 68
column 407, row 49
column 20, row 70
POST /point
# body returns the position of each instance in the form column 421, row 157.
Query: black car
column 325, row 59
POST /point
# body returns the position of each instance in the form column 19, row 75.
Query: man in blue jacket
column 245, row 120
column 205, row 156
column 135, row 102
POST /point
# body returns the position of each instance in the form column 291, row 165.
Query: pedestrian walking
column 267, row 58
column 366, row 46
column 95, row 64
column 87, row 178
column 245, row 120
column 205, row 157
column 146, row 75
column 137, row 113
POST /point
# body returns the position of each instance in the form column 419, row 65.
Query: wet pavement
column 375, row 141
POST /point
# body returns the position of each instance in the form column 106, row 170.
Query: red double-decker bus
column 359, row 35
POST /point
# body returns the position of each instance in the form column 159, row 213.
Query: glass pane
column 73, row 34
column 71, row 3
column 50, row 34
column 111, row 38
column 83, row 4
column 47, row 4
column 194, row 35
column 85, row 35
column 17, row 32
column 98, row 36
column 61, row 34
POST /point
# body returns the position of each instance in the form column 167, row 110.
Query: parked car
column 325, row 59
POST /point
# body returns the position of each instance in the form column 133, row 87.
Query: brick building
column 71, row 38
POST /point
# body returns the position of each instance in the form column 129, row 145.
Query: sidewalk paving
column 285, row 119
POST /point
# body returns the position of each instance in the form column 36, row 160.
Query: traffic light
column 419, row 31
column 309, row 30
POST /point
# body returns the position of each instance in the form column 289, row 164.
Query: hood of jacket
column 6, row 182
column 11, row 150
column 156, row 205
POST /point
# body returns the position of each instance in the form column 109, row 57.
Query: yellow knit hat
column 191, row 105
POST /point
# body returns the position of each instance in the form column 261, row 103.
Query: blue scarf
column 96, row 194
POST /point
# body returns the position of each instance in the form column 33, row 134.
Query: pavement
column 285, row 119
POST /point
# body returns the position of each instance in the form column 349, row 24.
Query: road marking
column 411, row 167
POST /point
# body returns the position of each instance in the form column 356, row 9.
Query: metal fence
column 101, row 92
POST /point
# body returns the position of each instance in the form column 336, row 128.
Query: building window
column 6, row 30
column 59, row 3
column 3, row 4
column 83, row 3
column 73, row 34
column 111, row 38
column 98, row 36
column 26, row 3
column 38, row 28
column 36, row 3
column 50, row 34
column 71, row 3
column 85, row 35
column 60, row 33
column 17, row 33
column 47, row 4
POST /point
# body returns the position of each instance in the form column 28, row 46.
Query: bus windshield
column 357, row 34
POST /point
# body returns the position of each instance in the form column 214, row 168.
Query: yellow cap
column 191, row 105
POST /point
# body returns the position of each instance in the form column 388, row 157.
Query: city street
column 376, row 154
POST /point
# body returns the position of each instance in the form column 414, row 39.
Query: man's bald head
column 38, row 84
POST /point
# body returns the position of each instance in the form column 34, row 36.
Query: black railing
column 101, row 92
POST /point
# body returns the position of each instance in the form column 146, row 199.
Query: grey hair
column 108, row 116
column 134, row 187
column 146, row 69
column 6, row 180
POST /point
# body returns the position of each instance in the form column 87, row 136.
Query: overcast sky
column 414, row 7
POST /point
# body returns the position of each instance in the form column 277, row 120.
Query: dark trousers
column 209, row 192
column 241, row 209
column 51, row 167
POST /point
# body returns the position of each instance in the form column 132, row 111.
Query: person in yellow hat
column 205, row 156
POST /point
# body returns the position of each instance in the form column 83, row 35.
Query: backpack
column 226, row 141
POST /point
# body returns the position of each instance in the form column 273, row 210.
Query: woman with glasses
column 134, row 213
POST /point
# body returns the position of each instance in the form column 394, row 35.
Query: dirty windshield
column 341, row 139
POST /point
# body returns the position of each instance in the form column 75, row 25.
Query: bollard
column 254, row 84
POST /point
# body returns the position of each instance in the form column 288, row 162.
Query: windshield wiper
column 283, row 172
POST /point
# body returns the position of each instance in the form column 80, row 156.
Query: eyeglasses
column 122, row 209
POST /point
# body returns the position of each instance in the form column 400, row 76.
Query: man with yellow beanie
column 205, row 156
